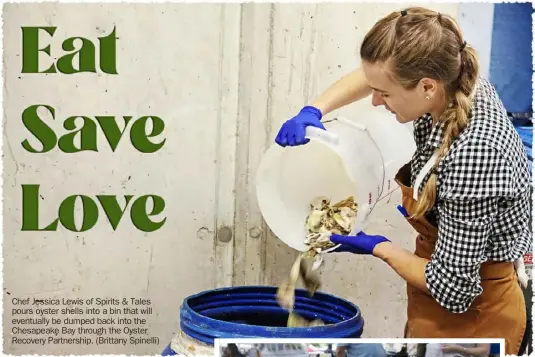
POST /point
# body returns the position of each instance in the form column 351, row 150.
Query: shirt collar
column 427, row 136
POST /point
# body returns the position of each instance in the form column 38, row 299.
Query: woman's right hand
column 292, row 132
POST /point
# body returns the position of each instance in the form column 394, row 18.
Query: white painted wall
column 475, row 20
column 224, row 78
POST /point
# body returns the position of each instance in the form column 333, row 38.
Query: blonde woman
column 466, row 189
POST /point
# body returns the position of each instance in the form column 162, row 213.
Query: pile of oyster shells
column 325, row 220
column 322, row 221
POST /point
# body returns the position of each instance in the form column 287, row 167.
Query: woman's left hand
column 359, row 244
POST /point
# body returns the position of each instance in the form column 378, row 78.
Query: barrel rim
column 203, row 325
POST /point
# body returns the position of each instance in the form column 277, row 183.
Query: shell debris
column 322, row 221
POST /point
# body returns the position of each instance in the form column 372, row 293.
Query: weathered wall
column 223, row 78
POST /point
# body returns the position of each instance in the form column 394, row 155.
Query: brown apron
column 499, row 312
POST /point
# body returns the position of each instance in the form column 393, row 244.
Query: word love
column 139, row 215
column 87, row 132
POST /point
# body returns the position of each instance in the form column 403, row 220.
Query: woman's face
column 406, row 105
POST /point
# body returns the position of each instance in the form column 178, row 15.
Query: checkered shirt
column 483, row 198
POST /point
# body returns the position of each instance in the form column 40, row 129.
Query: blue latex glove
column 292, row 132
column 359, row 244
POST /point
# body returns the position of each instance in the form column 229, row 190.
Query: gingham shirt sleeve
column 473, row 179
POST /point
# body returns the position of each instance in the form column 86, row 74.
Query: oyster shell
column 322, row 221
column 286, row 295
column 295, row 320
column 348, row 202
column 320, row 203
column 311, row 279
column 286, row 291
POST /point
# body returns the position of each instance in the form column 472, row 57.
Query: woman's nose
column 377, row 99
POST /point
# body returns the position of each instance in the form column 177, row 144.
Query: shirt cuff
column 452, row 293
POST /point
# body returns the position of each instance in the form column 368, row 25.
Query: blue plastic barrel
column 253, row 312
column 168, row 351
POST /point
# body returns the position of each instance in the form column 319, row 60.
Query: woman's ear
column 429, row 88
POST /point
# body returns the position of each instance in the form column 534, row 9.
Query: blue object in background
column 495, row 348
column 511, row 65
column 526, row 134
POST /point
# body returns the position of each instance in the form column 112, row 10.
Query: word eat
column 88, row 132
column 112, row 209
column 86, row 54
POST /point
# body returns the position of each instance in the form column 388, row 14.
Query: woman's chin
column 401, row 119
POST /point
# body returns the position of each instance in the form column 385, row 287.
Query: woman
column 470, row 176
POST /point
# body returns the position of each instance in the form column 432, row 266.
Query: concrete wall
column 223, row 78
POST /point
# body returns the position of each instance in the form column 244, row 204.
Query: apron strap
column 427, row 167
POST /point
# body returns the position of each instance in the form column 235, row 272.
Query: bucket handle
column 312, row 132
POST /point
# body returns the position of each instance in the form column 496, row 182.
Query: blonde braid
column 455, row 119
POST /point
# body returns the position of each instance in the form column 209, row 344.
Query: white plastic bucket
column 358, row 158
